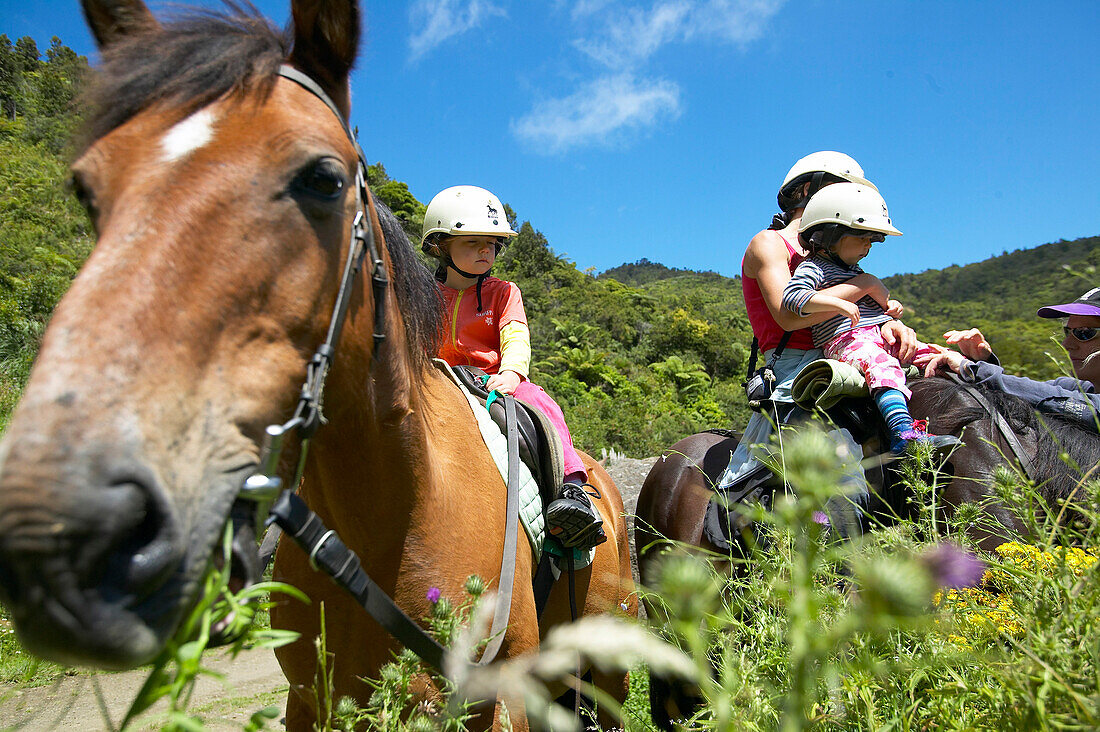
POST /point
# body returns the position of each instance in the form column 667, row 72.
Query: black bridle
column 271, row 502
column 1000, row 425
column 265, row 485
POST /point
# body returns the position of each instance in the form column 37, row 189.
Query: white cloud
column 736, row 21
column 632, row 35
column 584, row 8
column 599, row 112
column 635, row 35
column 620, row 100
column 439, row 20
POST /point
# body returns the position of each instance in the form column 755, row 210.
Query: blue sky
column 663, row 128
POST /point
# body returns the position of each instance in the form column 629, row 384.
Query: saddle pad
column 530, row 503
column 824, row 382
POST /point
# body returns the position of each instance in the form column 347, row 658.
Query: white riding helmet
column 465, row 210
column 827, row 161
column 854, row 205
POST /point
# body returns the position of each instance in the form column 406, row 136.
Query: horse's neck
column 405, row 457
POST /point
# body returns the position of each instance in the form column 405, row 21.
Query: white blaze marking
column 190, row 134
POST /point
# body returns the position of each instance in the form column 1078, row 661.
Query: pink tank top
column 767, row 331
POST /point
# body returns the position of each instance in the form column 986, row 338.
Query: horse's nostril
column 145, row 552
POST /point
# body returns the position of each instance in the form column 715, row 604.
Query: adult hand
column 901, row 340
column 505, row 382
column 970, row 342
column 894, row 308
column 943, row 360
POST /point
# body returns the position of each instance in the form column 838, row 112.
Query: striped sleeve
column 806, row 280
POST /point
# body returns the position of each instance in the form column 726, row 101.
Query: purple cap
column 1087, row 304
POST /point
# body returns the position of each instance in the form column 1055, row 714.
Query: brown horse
column 224, row 195
column 673, row 500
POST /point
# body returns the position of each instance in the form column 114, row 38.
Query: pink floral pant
column 536, row 397
column 865, row 349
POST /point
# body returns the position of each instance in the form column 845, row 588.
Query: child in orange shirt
column 486, row 326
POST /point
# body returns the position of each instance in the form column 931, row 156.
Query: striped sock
column 895, row 411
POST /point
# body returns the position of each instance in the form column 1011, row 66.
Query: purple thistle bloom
column 434, row 594
column 953, row 567
column 820, row 517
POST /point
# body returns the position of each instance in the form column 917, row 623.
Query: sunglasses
column 873, row 236
column 1081, row 334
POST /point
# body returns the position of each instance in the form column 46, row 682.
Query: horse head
column 223, row 196
column 1001, row 431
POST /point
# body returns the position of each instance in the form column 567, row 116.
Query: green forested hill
column 44, row 234
column 638, row 357
column 1000, row 296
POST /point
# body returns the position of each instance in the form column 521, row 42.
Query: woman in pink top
column 773, row 254
column 766, row 267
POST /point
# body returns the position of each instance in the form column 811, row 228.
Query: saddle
column 539, row 445
column 724, row 524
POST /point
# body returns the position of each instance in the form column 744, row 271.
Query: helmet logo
column 493, row 213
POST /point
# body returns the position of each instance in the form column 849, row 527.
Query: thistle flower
column 475, row 586
column 953, row 567
column 434, row 594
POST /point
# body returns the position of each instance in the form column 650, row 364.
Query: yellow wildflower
column 1032, row 558
column 989, row 613
column 981, row 611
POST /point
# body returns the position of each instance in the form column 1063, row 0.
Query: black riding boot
column 573, row 520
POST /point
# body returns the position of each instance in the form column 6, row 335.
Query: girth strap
column 511, row 534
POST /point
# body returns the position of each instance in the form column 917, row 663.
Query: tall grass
column 911, row 627
column 881, row 633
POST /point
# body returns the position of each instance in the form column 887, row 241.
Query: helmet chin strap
column 479, row 277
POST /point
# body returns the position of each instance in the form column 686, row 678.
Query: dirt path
column 253, row 680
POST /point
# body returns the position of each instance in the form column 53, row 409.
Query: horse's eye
column 322, row 179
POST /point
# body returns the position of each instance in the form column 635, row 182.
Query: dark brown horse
column 224, row 196
column 673, row 500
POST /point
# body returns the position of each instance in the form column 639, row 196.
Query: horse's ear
column 112, row 20
column 326, row 39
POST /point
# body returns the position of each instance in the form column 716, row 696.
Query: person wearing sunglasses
column 1073, row 397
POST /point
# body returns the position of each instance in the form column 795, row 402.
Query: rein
column 1001, row 426
column 277, row 504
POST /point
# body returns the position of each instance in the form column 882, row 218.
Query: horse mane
column 198, row 57
column 188, row 62
column 954, row 409
column 415, row 288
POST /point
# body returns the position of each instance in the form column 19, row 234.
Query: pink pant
column 536, row 397
column 865, row 349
